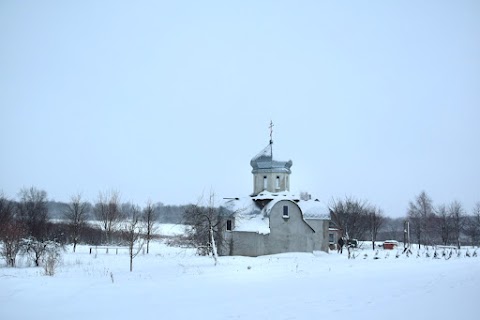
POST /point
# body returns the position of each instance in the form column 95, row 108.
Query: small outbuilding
column 390, row 244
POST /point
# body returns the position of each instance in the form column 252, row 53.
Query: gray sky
column 168, row 100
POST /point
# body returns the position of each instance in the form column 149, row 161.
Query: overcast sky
column 169, row 100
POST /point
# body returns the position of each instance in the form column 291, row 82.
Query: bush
column 43, row 253
column 52, row 258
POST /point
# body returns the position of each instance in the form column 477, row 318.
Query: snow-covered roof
column 314, row 209
column 311, row 209
column 391, row 241
column 249, row 217
column 241, row 205
column 253, row 223
column 263, row 162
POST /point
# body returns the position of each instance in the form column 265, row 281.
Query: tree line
column 32, row 224
column 447, row 224
column 444, row 224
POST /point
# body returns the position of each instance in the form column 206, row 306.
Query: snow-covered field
column 163, row 229
column 170, row 229
column 173, row 283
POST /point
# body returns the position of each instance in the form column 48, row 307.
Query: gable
column 291, row 223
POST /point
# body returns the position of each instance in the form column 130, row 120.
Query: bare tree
column 33, row 212
column 100, row 211
column 476, row 211
column 476, row 219
column 376, row 220
column 7, row 213
column 132, row 234
column 46, row 253
column 457, row 215
column 149, row 221
column 11, row 231
column 420, row 213
column 351, row 216
column 107, row 210
column 76, row 216
column 472, row 225
column 207, row 225
column 11, row 237
column 443, row 224
column 35, row 249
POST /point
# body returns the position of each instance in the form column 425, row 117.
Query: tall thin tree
column 457, row 215
column 443, row 224
column 108, row 211
column 149, row 220
column 376, row 221
column 76, row 216
column 132, row 235
column 420, row 212
column 33, row 212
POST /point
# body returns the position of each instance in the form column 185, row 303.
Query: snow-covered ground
column 173, row 283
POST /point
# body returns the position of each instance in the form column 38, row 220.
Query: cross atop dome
column 271, row 132
column 269, row 174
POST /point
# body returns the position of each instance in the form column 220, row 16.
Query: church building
column 272, row 219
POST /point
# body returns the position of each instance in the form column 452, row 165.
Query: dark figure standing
column 340, row 245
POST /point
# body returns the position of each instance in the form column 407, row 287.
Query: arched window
column 285, row 212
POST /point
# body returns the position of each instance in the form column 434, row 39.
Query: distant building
column 272, row 219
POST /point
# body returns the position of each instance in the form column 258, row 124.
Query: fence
column 107, row 249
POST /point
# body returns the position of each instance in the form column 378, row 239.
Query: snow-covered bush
column 34, row 249
column 52, row 257
column 42, row 253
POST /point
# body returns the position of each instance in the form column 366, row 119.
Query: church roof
column 250, row 217
column 264, row 162
column 314, row 209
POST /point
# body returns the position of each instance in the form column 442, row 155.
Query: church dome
column 263, row 162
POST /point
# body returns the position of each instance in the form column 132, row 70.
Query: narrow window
column 285, row 211
column 277, row 183
column 264, row 182
column 330, row 237
column 229, row 225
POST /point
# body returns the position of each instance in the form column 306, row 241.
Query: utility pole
column 406, row 234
